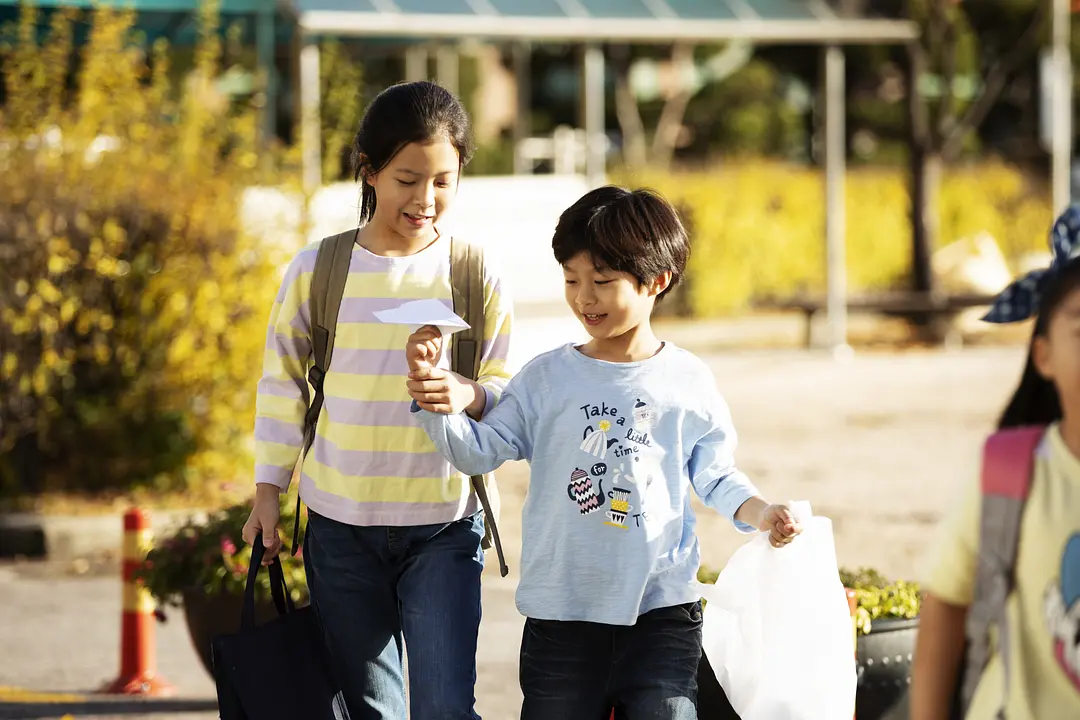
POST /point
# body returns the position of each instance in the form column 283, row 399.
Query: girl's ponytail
column 1035, row 401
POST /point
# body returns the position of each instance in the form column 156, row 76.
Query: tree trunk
column 636, row 150
column 924, row 175
column 926, row 171
column 666, row 135
column 937, row 138
column 937, row 134
column 27, row 462
column 635, row 145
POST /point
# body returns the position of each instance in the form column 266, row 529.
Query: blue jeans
column 375, row 587
column 581, row 670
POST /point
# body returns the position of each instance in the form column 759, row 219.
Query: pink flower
column 227, row 546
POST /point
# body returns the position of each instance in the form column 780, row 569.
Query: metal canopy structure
column 592, row 23
column 639, row 21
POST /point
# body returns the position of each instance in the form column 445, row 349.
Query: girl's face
column 1057, row 353
column 415, row 188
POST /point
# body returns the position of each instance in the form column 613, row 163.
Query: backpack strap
column 467, row 285
column 327, row 288
column 1008, row 460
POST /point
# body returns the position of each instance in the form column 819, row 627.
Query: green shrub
column 134, row 308
column 879, row 598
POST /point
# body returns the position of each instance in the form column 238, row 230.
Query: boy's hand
column 423, row 348
column 442, row 391
column 778, row 521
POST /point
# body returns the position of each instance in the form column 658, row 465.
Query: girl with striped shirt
column 393, row 545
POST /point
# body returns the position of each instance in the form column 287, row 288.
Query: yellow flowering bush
column 880, row 598
column 759, row 227
column 132, row 307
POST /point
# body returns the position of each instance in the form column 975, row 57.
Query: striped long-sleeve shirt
column 370, row 463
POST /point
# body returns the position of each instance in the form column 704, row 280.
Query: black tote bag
column 278, row 670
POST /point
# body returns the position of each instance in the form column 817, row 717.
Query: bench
column 940, row 309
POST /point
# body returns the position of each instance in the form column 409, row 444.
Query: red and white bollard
column 138, row 652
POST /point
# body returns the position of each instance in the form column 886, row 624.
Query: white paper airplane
column 418, row 313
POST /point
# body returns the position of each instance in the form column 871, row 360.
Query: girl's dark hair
column 1036, row 401
column 401, row 114
column 637, row 232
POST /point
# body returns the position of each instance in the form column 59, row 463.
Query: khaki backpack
column 467, row 284
column 1008, row 461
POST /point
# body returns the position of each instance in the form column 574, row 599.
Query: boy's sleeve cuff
column 489, row 402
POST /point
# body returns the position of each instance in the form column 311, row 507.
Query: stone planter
column 884, row 665
column 208, row 616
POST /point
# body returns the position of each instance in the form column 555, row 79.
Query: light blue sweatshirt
column 607, row 526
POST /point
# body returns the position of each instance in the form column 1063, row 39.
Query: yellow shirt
column 1044, row 610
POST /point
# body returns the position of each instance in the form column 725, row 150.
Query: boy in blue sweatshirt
column 616, row 431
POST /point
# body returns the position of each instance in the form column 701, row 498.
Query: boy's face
column 609, row 304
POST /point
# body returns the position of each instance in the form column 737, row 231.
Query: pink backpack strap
column 1008, row 461
column 1008, row 458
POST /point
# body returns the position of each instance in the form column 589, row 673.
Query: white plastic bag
column 777, row 629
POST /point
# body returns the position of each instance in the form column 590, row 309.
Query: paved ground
column 878, row 443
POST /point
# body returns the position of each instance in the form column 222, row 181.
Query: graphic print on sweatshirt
column 1062, row 609
column 618, row 445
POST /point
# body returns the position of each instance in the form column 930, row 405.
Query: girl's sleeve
column 495, row 352
column 950, row 565
column 283, row 395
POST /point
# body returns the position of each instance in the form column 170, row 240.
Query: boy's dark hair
column 402, row 114
column 637, row 232
column 1036, row 401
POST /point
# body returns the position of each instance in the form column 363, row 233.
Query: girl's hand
column 778, row 521
column 264, row 519
column 424, row 347
column 442, row 391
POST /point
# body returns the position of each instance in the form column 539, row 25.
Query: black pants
column 581, row 670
